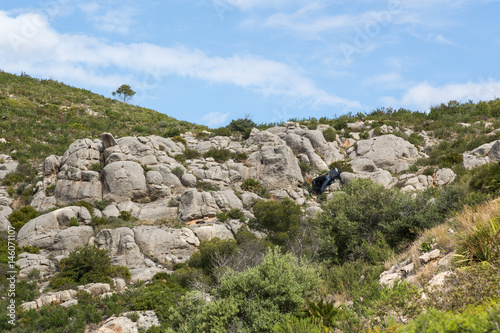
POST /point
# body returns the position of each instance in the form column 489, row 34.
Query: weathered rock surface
column 387, row 152
column 123, row 181
column 122, row 247
column 42, row 231
column 167, row 245
column 7, row 165
column 276, row 167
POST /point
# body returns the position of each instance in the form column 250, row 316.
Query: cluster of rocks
column 67, row 298
column 484, row 154
column 413, row 268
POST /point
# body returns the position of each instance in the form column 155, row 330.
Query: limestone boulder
column 196, row 205
column 29, row 261
column 40, row 232
column 303, row 145
column 276, row 167
column 226, row 200
column 67, row 240
column 387, row 151
column 212, row 230
column 87, row 188
column 81, row 154
column 51, row 165
column 7, row 166
column 445, row 176
column 121, row 245
column 494, row 153
column 168, row 245
column 123, row 181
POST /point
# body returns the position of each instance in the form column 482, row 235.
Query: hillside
column 103, row 196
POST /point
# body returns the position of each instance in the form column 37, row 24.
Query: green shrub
column 180, row 139
column 330, row 134
column 251, row 185
column 354, row 216
column 429, row 171
column 304, row 167
column 242, row 125
column 73, row 222
column 19, row 217
column 207, row 186
column 178, row 171
column 474, row 320
column 222, row 131
column 364, row 135
column 486, row 178
column 416, row 139
column 190, row 154
column 87, row 264
column 265, row 294
column 480, row 243
column 209, row 251
column 342, row 166
column 120, row 271
column 219, row 155
column 97, row 167
column 49, row 190
column 236, row 214
column 101, row 205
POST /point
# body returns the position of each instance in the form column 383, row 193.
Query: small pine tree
column 124, row 93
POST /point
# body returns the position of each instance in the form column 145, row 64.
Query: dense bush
column 242, row 125
column 19, row 217
column 85, row 265
column 486, row 178
column 254, row 300
column 352, row 218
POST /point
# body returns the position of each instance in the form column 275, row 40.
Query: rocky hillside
column 153, row 201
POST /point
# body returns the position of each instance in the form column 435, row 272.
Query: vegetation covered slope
column 306, row 275
column 43, row 117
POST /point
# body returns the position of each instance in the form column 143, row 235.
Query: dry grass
column 470, row 217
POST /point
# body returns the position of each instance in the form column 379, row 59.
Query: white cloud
column 386, row 81
column 214, row 118
column 109, row 18
column 27, row 43
column 442, row 40
column 422, row 96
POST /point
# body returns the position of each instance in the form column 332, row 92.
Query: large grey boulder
column 212, row 230
column 123, row 181
column 303, row 145
column 494, row 153
column 388, row 152
column 196, row 205
column 68, row 240
column 108, row 140
column 41, row 231
column 5, row 211
column 122, row 247
column 227, row 200
column 51, row 165
column 156, row 210
column 29, row 261
column 276, row 167
column 7, row 166
column 81, row 154
column 89, row 188
column 168, row 245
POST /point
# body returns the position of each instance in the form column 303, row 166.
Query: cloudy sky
column 210, row 61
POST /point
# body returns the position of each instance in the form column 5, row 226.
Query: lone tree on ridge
column 124, row 93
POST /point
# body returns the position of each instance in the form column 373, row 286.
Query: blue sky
column 210, row 61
